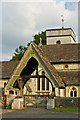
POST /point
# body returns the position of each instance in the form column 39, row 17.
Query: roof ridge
column 61, row 44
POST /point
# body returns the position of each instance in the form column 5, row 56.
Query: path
column 38, row 113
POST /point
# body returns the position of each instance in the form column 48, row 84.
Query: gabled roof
column 52, row 70
column 62, row 52
column 7, row 68
column 52, row 73
column 70, row 77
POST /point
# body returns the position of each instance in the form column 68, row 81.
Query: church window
column 58, row 42
column 43, row 81
column 38, row 83
column 47, row 85
column 66, row 66
column 73, row 92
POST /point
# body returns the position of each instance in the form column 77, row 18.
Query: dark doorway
column 32, row 65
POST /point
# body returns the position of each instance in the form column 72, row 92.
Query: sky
column 22, row 19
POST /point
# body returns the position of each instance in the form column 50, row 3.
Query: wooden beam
column 33, row 76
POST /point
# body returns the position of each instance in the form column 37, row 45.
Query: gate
column 35, row 100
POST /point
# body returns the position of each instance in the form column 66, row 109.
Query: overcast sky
column 22, row 20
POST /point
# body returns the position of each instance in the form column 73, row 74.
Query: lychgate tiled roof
column 7, row 68
column 62, row 52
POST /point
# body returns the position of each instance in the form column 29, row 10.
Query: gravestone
column 50, row 103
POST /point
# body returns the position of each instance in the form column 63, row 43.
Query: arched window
column 38, row 83
column 43, row 81
column 73, row 92
column 58, row 42
column 47, row 85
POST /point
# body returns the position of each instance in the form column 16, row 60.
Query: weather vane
column 62, row 19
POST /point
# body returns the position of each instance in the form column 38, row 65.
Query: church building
column 45, row 69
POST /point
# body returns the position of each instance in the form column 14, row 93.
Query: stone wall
column 67, row 102
column 32, row 83
column 71, row 66
column 64, row 35
column 63, row 40
column 63, row 102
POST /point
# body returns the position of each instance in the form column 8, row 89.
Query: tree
column 37, row 38
column 19, row 52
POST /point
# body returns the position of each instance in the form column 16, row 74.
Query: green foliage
column 19, row 52
column 37, row 38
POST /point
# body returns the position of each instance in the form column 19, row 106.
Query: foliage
column 19, row 52
column 37, row 38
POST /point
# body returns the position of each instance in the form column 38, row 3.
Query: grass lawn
column 65, row 109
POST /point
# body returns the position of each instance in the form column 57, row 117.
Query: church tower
column 60, row 36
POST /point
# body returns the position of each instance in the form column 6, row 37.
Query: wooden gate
column 35, row 100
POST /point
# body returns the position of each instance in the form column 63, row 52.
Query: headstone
column 50, row 103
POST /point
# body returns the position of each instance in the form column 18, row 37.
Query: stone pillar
column 57, row 92
column 62, row 92
column 67, row 91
